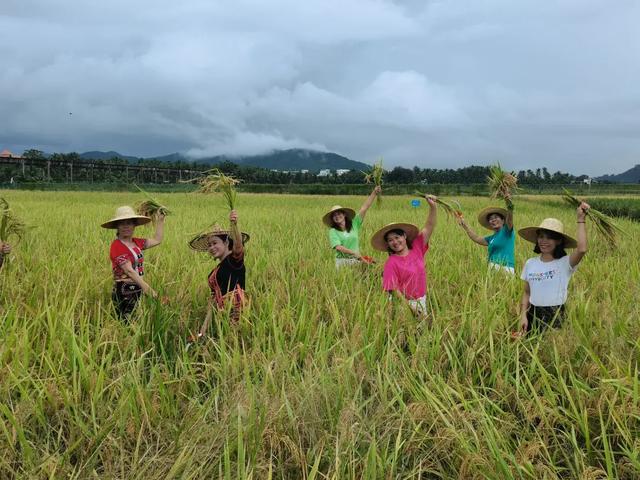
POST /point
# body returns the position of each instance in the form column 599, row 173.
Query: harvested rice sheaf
column 502, row 184
column 375, row 177
column 604, row 224
column 452, row 208
column 10, row 224
column 151, row 207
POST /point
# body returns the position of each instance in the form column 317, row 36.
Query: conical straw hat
column 125, row 213
column 348, row 212
column 551, row 224
column 378, row 242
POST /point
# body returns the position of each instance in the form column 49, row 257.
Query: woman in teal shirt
column 501, row 244
column 344, row 229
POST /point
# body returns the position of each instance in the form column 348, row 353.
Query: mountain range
column 630, row 176
column 292, row 159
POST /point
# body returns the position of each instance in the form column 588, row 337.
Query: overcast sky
column 418, row 82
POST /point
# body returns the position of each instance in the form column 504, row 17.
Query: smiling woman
column 547, row 276
column 404, row 271
column 501, row 243
column 227, row 279
column 127, row 258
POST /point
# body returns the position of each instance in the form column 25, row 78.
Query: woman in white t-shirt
column 547, row 276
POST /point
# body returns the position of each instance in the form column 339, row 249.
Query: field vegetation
column 322, row 378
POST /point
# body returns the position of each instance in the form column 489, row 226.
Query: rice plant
column 451, row 208
column 375, row 177
column 151, row 207
column 215, row 180
column 323, row 377
column 502, row 184
column 10, row 224
column 604, row 224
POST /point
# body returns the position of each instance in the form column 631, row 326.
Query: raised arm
column 157, row 238
column 236, row 236
column 581, row 214
column 369, row 201
column 509, row 220
column 472, row 235
column 432, row 218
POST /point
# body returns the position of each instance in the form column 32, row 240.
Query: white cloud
column 437, row 83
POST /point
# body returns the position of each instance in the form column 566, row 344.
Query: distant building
column 7, row 154
column 304, row 171
column 324, row 172
column 342, row 171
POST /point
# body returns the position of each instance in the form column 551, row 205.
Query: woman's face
column 546, row 242
column 218, row 247
column 496, row 222
column 338, row 217
column 396, row 243
column 126, row 228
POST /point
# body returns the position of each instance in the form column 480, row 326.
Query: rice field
column 323, row 378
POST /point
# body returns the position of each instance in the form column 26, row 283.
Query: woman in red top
column 227, row 280
column 127, row 258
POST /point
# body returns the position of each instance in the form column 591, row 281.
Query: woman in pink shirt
column 404, row 270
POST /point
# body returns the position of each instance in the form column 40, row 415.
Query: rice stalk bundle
column 216, row 181
column 604, row 224
column 151, row 207
column 10, row 224
column 375, row 177
column 502, row 184
column 452, row 209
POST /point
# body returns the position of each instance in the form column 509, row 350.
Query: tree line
column 70, row 167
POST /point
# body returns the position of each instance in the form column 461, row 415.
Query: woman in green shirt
column 344, row 228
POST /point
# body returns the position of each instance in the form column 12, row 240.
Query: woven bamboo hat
column 552, row 225
column 348, row 212
column 379, row 243
column 483, row 216
column 200, row 242
column 125, row 213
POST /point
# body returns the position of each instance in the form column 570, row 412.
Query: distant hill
column 630, row 176
column 292, row 159
column 95, row 155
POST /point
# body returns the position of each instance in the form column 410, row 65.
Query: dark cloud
column 429, row 83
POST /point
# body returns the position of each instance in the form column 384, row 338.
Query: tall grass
column 321, row 378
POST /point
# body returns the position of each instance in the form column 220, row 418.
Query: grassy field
column 322, row 379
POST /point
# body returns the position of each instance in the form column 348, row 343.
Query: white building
column 324, row 173
column 342, row 171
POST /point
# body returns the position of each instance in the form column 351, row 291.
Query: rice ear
column 10, row 224
column 502, row 184
column 452, row 209
column 375, row 176
column 151, row 207
column 604, row 224
column 216, row 181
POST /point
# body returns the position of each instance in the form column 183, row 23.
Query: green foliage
column 321, row 378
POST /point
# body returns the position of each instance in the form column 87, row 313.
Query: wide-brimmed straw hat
column 379, row 243
column 551, row 224
column 125, row 213
column 348, row 212
column 200, row 242
column 483, row 216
